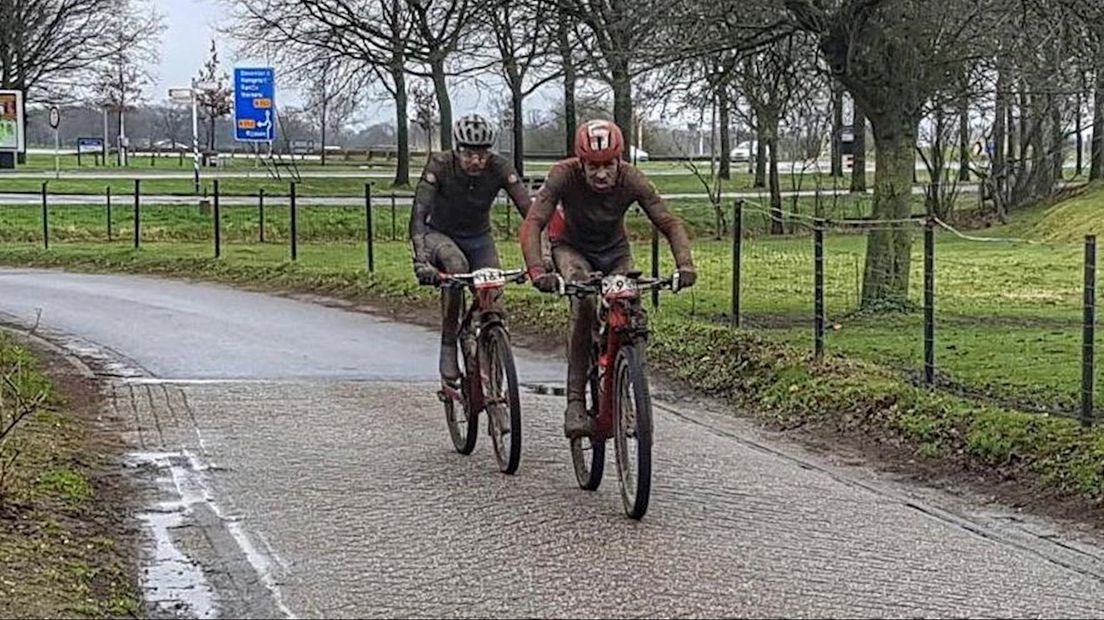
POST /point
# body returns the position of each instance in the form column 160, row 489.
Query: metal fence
column 810, row 280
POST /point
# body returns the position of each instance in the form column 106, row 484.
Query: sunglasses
column 470, row 153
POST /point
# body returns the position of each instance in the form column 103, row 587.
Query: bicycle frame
column 486, row 286
column 621, row 321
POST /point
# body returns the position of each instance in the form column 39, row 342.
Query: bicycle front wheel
column 500, row 393
column 632, row 409
column 462, row 422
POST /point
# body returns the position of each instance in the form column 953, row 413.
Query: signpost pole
column 195, row 138
column 55, row 122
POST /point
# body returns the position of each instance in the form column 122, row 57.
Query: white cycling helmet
column 473, row 131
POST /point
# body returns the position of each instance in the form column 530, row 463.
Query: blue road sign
column 254, row 104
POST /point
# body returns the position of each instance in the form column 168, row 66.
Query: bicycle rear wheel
column 500, row 393
column 632, row 410
column 588, row 456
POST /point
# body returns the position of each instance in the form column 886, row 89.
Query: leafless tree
column 440, row 28
column 523, row 31
column 215, row 94
column 374, row 33
column 47, row 47
column 19, row 399
column 119, row 80
column 334, row 91
column 770, row 80
column 425, row 112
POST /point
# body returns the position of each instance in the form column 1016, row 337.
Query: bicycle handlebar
column 593, row 286
column 460, row 280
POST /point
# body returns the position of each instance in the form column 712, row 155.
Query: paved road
column 297, row 464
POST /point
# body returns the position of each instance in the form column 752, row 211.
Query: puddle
column 171, row 581
column 175, row 583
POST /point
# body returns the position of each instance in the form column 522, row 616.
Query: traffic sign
column 55, row 116
column 180, row 95
column 254, row 104
column 90, row 145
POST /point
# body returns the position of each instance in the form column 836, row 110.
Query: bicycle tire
column 634, row 471
column 464, row 428
column 496, row 361
column 589, row 469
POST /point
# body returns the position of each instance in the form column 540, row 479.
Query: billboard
column 11, row 121
column 90, row 145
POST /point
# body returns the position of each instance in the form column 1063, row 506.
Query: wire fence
column 1001, row 319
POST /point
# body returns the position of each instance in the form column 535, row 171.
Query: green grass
column 69, row 485
column 331, row 186
column 1066, row 220
column 120, row 184
column 23, row 223
column 41, row 162
column 122, row 187
column 55, row 559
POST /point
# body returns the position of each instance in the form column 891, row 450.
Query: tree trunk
column 564, row 43
column 402, row 127
column 858, row 171
column 518, row 129
column 837, row 130
column 999, row 166
column 888, row 251
column 1058, row 137
column 1041, row 145
column 444, row 104
column 1080, row 128
column 934, row 190
column 119, row 139
column 725, row 171
column 622, row 103
column 1027, row 123
column 323, row 129
column 777, row 220
column 1096, row 168
column 760, row 154
column 964, row 139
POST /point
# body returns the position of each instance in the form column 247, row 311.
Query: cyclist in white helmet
column 450, row 224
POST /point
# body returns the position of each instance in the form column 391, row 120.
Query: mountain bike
column 488, row 378
column 619, row 398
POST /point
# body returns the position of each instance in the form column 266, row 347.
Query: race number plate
column 618, row 286
column 488, row 278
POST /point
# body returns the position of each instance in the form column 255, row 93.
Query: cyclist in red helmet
column 594, row 189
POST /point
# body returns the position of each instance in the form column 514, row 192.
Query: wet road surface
column 298, row 464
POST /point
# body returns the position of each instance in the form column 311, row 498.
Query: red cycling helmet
column 599, row 141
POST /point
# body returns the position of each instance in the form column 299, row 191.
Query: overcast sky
column 190, row 25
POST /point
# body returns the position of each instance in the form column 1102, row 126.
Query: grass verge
column 62, row 549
